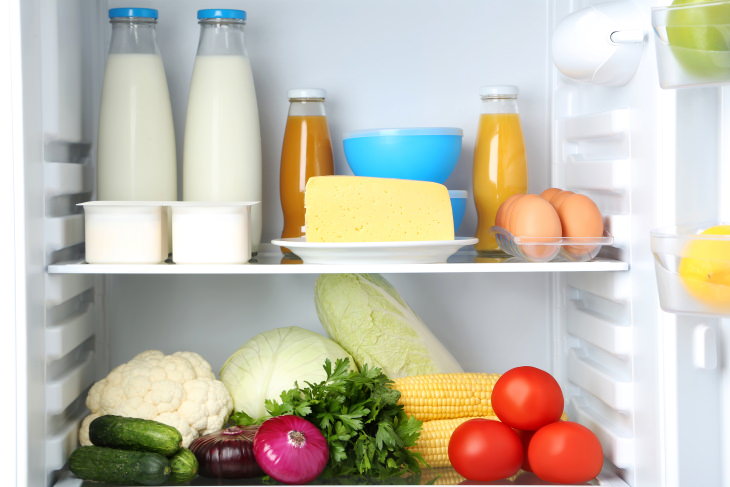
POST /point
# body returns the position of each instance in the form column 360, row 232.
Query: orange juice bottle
column 500, row 166
column 306, row 152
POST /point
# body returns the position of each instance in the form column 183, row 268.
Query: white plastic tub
column 211, row 232
column 125, row 232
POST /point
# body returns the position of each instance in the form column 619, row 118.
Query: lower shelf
column 435, row 477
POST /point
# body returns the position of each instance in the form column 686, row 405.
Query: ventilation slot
column 611, row 176
column 618, row 446
column 600, row 345
column 69, row 339
column 615, row 339
column 60, row 393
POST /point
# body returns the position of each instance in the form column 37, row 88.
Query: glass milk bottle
column 306, row 152
column 500, row 165
column 222, row 149
column 136, row 146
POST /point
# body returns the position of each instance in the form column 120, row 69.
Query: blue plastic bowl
column 424, row 154
column 458, row 206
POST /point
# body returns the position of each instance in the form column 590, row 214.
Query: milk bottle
column 136, row 146
column 222, row 149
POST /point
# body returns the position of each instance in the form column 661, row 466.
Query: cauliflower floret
column 179, row 390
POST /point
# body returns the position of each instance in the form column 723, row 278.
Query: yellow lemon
column 705, row 269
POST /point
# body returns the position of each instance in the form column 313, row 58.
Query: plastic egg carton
column 546, row 249
column 680, row 290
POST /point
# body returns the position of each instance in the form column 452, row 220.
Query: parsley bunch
column 367, row 431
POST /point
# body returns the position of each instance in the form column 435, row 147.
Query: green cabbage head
column 272, row 362
column 366, row 315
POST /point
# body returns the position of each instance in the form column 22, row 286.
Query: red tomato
column 565, row 453
column 484, row 450
column 527, row 398
column 525, row 437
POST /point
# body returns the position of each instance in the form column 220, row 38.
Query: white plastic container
column 125, row 232
column 211, row 233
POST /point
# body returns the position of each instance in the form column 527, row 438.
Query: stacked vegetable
column 179, row 390
column 528, row 434
column 306, row 407
column 377, row 336
column 133, row 451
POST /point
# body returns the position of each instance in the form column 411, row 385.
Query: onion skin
column 227, row 454
column 290, row 449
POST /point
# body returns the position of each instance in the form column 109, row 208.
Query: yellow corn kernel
column 447, row 396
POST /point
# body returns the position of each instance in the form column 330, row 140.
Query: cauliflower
column 179, row 390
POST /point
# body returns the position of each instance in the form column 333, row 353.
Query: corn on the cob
column 447, row 396
column 433, row 444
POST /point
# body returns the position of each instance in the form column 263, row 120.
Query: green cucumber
column 135, row 434
column 184, row 466
column 119, row 466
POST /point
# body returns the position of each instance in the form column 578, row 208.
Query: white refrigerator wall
column 412, row 62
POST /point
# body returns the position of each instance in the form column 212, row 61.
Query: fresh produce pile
column 367, row 431
column 179, row 390
column 133, row 451
column 380, row 401
column 529, row 435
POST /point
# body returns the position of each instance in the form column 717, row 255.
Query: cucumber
column 119, row 466
column 184, row 466
column 135, row 434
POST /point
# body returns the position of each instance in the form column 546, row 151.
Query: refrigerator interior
column 625, row 366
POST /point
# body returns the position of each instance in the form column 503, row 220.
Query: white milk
column 136, row 153
column 222, row 150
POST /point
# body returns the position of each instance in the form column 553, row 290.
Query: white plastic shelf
column 272, row 263
column 604, row 479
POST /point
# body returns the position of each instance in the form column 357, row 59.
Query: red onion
column 290, row 449
column 227, row 453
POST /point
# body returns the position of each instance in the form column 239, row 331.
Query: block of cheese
column 364, row 209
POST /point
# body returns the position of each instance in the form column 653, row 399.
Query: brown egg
column 580, row 217
column 534, row 219
column 504, row 211
column 558, row 199
column 550, row 193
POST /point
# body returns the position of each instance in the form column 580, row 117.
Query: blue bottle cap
column 221, row 13
column 149, row 13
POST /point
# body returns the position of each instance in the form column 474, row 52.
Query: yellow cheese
column 362, row 209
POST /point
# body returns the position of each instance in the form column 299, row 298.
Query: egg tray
column 546, row 249
column 685, row 294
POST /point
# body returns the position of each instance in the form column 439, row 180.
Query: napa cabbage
column 371, row 321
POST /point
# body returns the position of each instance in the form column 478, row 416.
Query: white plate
column 428, row 252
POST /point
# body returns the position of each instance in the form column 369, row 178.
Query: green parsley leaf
column 367, row 431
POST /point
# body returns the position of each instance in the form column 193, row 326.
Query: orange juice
column 306, row 152
column 500, row 170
